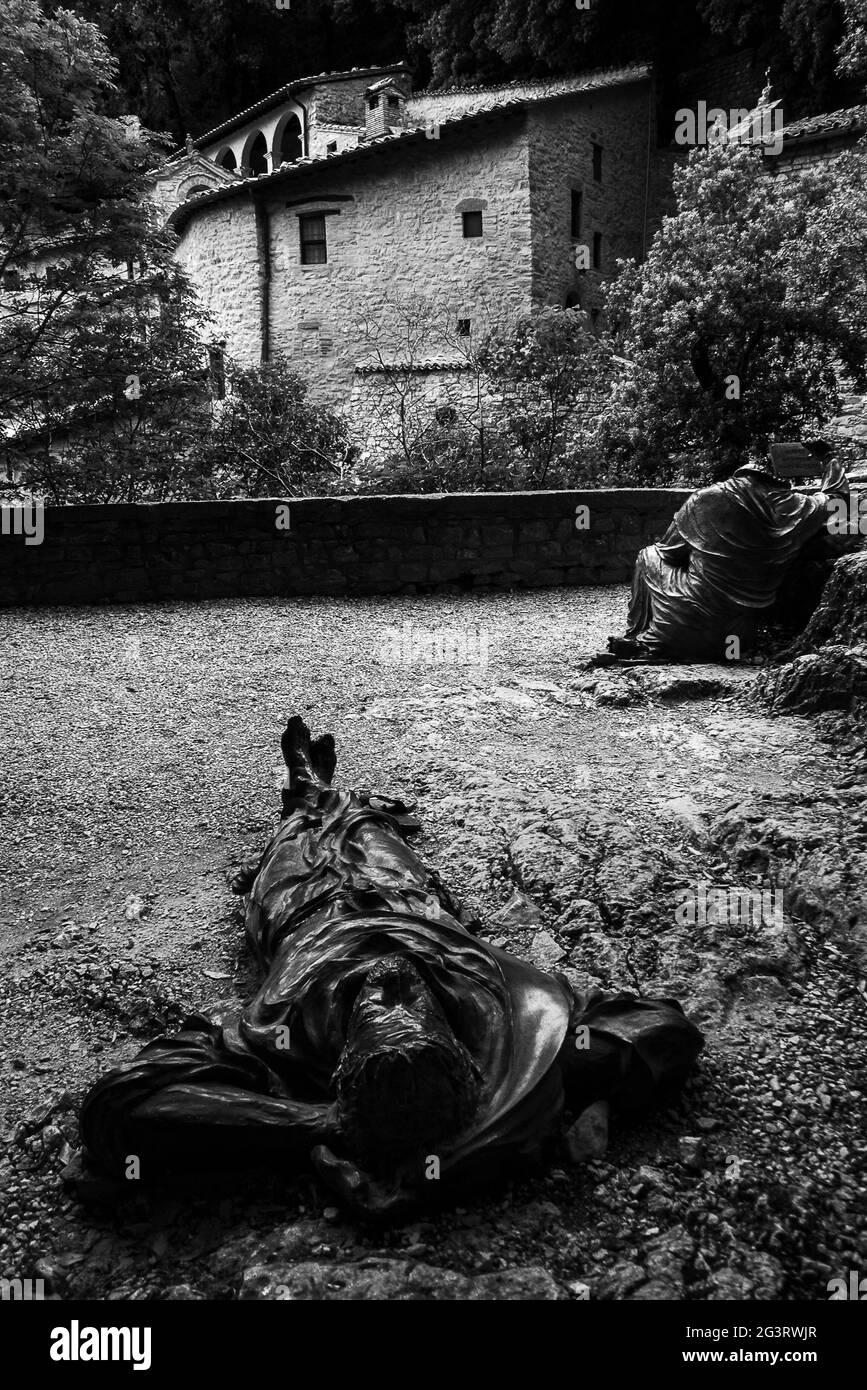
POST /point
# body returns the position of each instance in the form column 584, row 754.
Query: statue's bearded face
column 403, row 1079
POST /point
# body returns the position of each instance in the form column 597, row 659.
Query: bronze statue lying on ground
column 719, row 567
column 387, row 1046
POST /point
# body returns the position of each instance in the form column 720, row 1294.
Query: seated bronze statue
column 387, row 1045
column 719, row 567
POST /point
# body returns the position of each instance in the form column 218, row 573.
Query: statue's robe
column 720, row 566
column 337, row 889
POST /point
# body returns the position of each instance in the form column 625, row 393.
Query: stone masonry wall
column 561, row 138
column 218, row 251
column 194, row 550
column 373, row 413
column 733, row 82
column 851, row 426
column 344, row 100
column 393, row 233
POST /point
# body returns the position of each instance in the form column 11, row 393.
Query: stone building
column 349, row 195
column 186, row 176
column 314, row 222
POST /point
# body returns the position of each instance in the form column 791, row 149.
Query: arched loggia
column 288, row 140
column 255, row 160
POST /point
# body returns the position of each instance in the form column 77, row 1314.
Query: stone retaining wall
column 412, row 544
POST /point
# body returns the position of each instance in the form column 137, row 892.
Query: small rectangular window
column 463, row 328
column 394, row 102
column 12, row 279
column 372, row 103
column 597, row 250
column 472, row 223
column 314, row 250
column 331, row 147
column 597, row 163
column 576, row 213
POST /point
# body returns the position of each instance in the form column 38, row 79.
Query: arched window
column 258, row 156
column 291, row 146
column 228, row 161
column 196, row 189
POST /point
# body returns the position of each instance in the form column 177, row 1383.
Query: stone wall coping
column 120, row 511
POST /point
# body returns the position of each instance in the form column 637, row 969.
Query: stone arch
column 255, row 160
column 226, row 159
column 288, row 142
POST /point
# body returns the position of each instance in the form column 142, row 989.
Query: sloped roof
column 422, row 364
column 193, row 160
column 848, row 121
column 370, row 148
column 282, row 93
column 578, row 82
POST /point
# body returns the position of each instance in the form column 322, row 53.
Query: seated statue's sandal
column 609, row 659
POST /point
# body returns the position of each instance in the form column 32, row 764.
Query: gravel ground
column 141, row 762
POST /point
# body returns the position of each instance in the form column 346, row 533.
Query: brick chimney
column 384, row 108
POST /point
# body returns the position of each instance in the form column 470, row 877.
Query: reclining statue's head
column 404, row 1080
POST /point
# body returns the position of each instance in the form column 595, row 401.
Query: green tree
column 852, row 52
column 267, row 439
column 487, row 40
column 752, row 298
column 546, row 380
column 98, row 324
column 120, row 406
column 186, row 65
column 796, row 38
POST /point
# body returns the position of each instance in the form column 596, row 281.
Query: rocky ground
column 578, row 813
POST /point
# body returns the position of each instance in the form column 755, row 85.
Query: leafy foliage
column 751, row 296
column 185, row 65
column 546, row 377
column 521, row 411
column 804, row 32
column 852, row 52
column 267, row 439
column 119, row 405
column 188, row 64
column 98, row 325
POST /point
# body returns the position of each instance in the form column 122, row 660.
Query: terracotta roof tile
column 832, row 123
column 422, row 364
column 587, row 83
column 274, row 98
